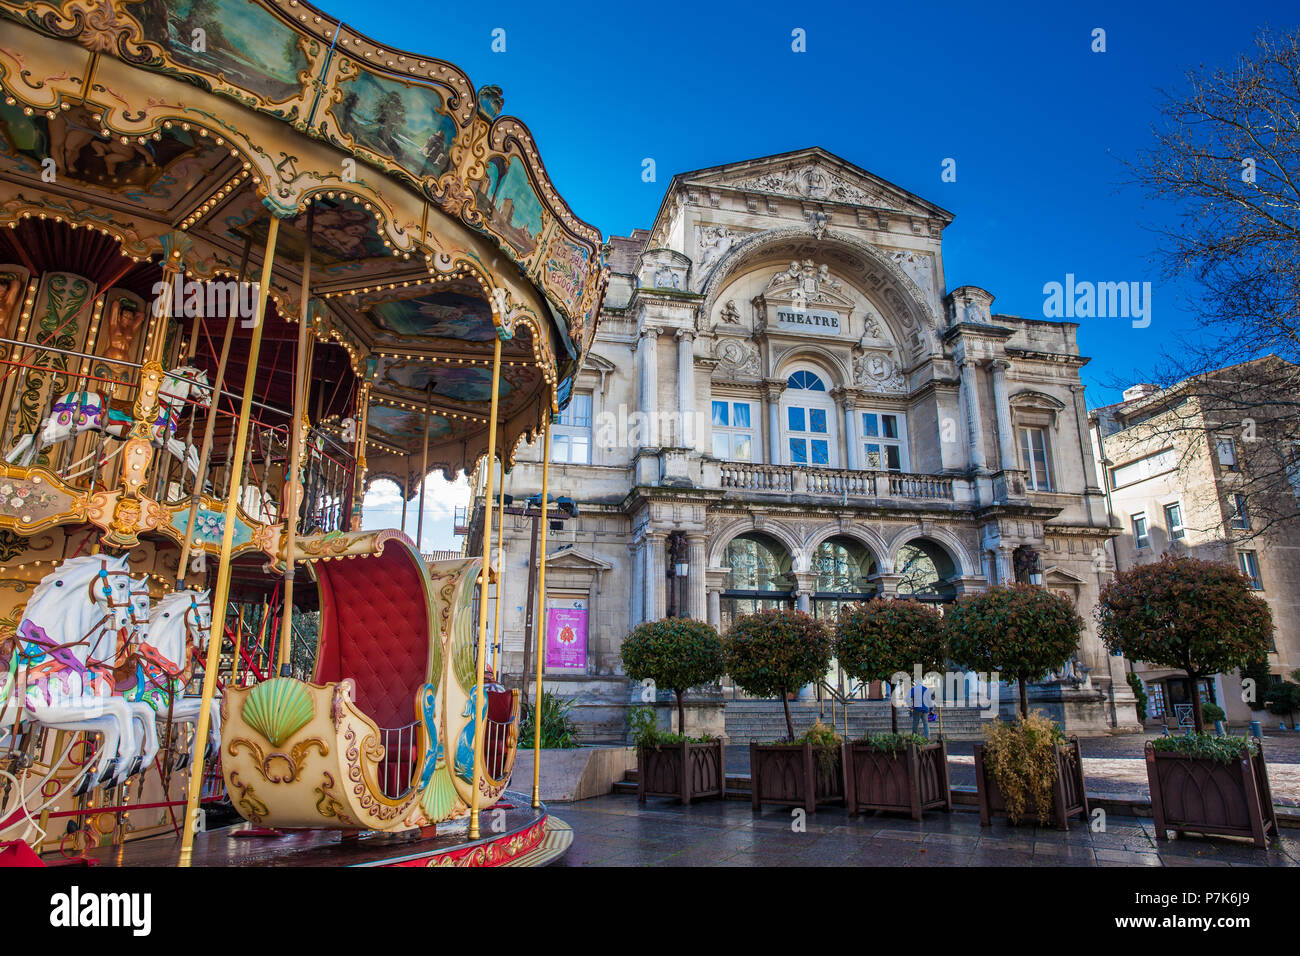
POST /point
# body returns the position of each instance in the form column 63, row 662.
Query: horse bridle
column 102, row 580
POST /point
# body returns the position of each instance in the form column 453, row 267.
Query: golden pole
column 483, row 586
column 501, row 555
column 424, row 478
column 291, row 500
column 541, row 612
column 221, row 597
column 209, row 432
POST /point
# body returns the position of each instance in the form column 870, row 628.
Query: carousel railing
column 399, row 757
column 497, row 752
column 89, row 460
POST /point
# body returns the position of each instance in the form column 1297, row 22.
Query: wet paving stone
column 615, row 831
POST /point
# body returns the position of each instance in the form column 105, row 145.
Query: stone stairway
column 765, row 720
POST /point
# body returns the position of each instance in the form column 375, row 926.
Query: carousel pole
column 221, row 597
column 359, row 457
column 209, row 431
column 501, row 563
column 424, row 473
column 406, row 491
column 291, row 500
column 483, row 585
column 541, row 613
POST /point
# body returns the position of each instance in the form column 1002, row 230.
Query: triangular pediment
column 573, row 559
column 812, row 175
column 1060, row 577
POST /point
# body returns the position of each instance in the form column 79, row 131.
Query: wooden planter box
column 1068, row 794
column 788, row 776
column 901, row 781
column 687, row 771
column 1205, row 796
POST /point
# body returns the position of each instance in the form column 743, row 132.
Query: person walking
column 922, row 702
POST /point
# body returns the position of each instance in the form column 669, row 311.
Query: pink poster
column 566, row 637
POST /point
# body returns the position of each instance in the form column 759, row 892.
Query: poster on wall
column 566, row 634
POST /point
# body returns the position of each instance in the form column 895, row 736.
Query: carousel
column 250, row 262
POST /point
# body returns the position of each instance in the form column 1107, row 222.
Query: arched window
column 926, row 569
column 805, row 380
column 760, row 577
column 808, row 421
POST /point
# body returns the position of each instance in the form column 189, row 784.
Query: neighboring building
column 1178, row 478
column 784, row 406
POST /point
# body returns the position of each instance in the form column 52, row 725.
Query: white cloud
column 382, row 508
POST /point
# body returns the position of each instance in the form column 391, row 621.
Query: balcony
column 840, row 483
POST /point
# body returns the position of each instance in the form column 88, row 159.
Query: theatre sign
column 808, row 320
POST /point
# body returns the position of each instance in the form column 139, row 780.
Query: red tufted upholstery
column 375, row 629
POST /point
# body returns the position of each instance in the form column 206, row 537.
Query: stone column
column 974, row 420
column 695, row 554
column 847, row 403
column 686, row 436
column 1006, row 566
column 647, row 359
column 772, row 389
column 1002, row 406
column 805, row 585
column 716, row 581
column 655, row 575
column 637, row 590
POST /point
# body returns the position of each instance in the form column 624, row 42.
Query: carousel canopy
column 140, row 132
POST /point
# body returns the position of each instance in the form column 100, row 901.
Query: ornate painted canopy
column 158, row 128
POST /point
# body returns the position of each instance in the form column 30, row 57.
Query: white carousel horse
column 54, row 680
column 180, row 627
column 78, row 412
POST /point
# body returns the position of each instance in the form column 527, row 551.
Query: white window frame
column 1143, row 540
column 1176, row 532
column 1140, row 469
column 1026, row 451
column 565, row 432
column 900, row 419
column 731, row 431
column 808, row 400
column 1248, row 562
column 1229, row 460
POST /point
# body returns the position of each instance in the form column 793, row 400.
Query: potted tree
column 897, row 772
column 1203, row 618
column 677, row 653
column 1021, row 632
column 774, row 653
column 1028, row 768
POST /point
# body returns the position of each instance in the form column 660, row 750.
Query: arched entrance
column 761, row 577
column 843, row 567
column 926, row 571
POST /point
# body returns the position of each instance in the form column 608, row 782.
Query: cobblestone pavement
column 615, row 831
column 1113, row 766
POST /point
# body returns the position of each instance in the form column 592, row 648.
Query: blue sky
column 1036, row 121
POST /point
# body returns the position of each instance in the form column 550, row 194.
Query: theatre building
column 786, row 406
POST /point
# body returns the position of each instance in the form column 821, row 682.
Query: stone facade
column 1175, row 468
column 784, row 404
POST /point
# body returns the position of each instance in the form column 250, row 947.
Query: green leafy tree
column 1198, row 616
column 677, row 653
column 777, row 652
column 1022, row 632
column 875, row 640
